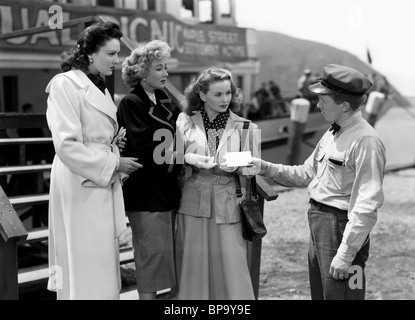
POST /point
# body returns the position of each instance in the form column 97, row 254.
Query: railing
column 16, row 229
column 12, row 232
column 17, row 208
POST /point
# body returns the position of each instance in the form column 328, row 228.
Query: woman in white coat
column 86, row 207
column 211, row 253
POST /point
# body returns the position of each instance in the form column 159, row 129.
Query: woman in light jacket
column 86, row 208
column 211, row 253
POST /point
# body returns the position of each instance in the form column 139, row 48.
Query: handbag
column 253, row 226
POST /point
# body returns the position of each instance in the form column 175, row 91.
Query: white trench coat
column 86, row 207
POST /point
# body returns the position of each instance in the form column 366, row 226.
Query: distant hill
column 283, row 59
column 411, row 100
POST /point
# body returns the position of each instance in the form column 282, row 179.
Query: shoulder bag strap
column 251, row 186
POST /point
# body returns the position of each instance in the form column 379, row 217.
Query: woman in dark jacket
column 152, row 195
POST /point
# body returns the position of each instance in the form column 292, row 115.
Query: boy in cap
column 344, row 176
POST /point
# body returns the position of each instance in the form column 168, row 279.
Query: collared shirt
column 344, row 171
column 214, row 130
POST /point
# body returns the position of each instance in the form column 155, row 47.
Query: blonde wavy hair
column 137, row 66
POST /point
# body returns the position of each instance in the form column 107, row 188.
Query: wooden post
column 266, row 192
column 373, row 106
column 11, row 232
column 254, row 256
column 299, row 108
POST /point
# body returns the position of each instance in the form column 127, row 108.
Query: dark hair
column 202, row 84
column 90, row 40
column 355, row 101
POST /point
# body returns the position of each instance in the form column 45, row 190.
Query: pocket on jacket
column 226, row 205
column 189, row 202
column 196, row 199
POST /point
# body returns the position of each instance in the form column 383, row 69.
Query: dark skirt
column 153, row 250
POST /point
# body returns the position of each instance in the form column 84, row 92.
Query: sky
column 385, row 27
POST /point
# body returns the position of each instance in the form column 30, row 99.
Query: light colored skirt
column 153, row 250
column 211, row 260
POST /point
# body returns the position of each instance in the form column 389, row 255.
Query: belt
column 325, row 207
column 214, row 179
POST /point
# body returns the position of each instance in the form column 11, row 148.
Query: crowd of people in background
column 308, row 78
column 268, row 102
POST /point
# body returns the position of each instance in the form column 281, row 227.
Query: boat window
column 127, row 4
column 65, row 1
column 188, row 9
column 206, row 11
column 225, row 8
column 151, row 5
column 105, row 3
column 240, row 81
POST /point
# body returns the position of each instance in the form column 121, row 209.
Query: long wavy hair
column 90, row 41
column 203, row 83
column 137, row 66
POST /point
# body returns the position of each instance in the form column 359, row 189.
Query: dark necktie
column 334, row 127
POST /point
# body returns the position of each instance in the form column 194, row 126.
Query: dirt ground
column 390, row 269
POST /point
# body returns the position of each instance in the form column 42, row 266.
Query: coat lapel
column 164, row 106
column 103, row 103
column 161, row 113
column 200, row 133
column 94, row 97
column 234, row 122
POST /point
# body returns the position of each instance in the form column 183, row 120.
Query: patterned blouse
column 214, row 130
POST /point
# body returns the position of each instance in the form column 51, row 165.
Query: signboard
column 191, row 43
